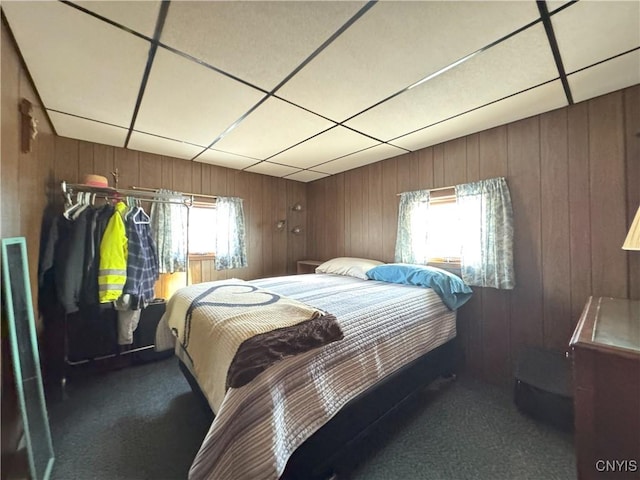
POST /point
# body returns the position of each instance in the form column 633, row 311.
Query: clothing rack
column 117, row 193
column 143, row 194
column 200, row 195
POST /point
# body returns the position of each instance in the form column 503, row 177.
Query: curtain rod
column 433, row 189
column 202, row 195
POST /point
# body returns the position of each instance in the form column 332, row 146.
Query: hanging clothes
column 63, row 255
column 92, row 259
column 142, row 274
column 142, row 262
column 96, row 225
column 112, row 273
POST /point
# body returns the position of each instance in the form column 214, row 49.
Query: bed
column 295, row 418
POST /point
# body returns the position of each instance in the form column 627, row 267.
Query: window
column 444, row 240
column 202, row 223
column 470, row 225
column 428, row 228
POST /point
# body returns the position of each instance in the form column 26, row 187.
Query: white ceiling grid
column 334, row 143
column 261, row 43
column 272, row 127
column 512, row 66
column 359, row 159
column 532, row 102
column 225, row 159
column 80, row 65
column 395, row 45
column 88, row 130
column 274, row 169
column 140, row 16
column 307, row 89
column 162, row 146
column 187, row 101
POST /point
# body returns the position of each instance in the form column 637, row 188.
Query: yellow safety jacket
column 112, row 273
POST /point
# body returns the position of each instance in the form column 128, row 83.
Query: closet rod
column 202, row 195
column 103, row 193
column 144, row 194
column 71, row 187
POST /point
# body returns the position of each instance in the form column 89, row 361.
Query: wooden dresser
column 606, row 374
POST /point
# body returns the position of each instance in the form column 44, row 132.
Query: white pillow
column 349, row 266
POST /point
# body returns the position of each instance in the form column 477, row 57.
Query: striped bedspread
column 259, row 426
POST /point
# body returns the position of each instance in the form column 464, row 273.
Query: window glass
column 202, row 222
column 443, row 231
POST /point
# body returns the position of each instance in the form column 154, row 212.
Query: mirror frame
column 8, row 290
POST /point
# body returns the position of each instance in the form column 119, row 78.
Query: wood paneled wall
column 574, row 177
column 22, row 201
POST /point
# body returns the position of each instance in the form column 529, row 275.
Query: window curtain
column 169, row 231
column 230, row 236
column 411, row 240
column 486, row 226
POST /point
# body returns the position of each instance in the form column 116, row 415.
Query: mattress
column 259, row 426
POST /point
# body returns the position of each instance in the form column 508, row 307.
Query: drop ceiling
column 303, row 90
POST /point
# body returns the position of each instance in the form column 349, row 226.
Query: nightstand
column 308, row 266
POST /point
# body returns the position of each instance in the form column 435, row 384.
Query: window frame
column 196, row 255
column 437, row 197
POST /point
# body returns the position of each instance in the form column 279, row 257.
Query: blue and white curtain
column 230, row 234
column 411, row 240
column 169, row 231
column 486, row 227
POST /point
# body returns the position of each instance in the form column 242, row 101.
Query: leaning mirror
column 26, row 360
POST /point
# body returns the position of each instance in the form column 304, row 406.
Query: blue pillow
column 452, row 290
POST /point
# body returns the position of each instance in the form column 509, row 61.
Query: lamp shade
column 632, row 242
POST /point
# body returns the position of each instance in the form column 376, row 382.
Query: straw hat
column 97, row 181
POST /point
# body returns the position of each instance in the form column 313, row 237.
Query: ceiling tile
column 273, row 169
column 225, row 159
column 88, row 130
column 358, row 159
column 259, row 42
column 331, row 144
column 553, row 5
column 79, row 64
column 396, row 44
column 532, row 102
column 162, row 146
column 514, row 65
column 135, row 15
column 589, row 32
column 306, row 176
column 272, row 127
column 618, row 73
column 186, row 100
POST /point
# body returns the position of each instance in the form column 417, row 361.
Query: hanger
column 130, row 208
column 68, row 213
column 85, row 199
column 141, row 219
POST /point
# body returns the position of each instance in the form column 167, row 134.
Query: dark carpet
column 143, row 422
